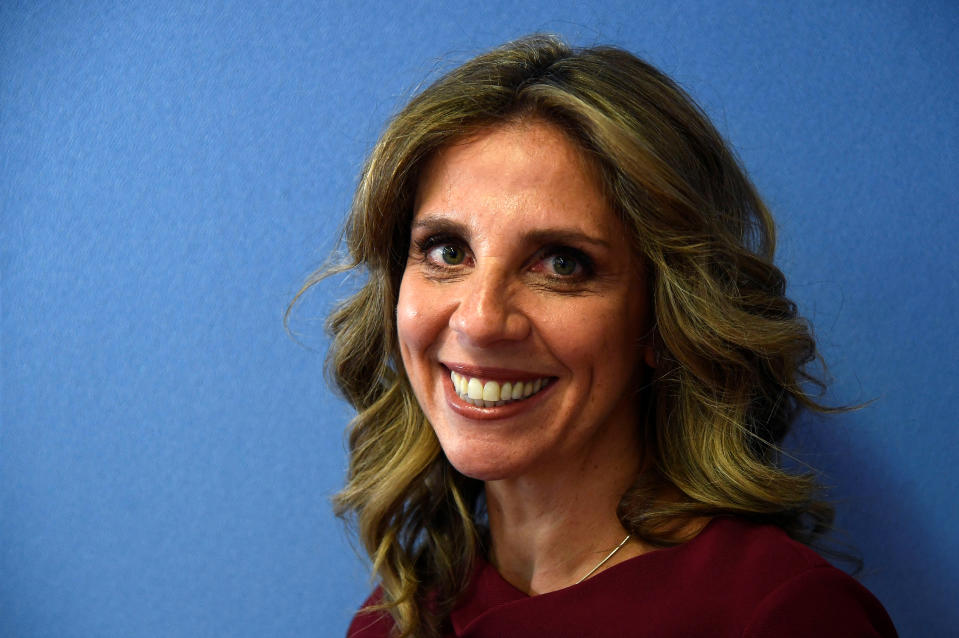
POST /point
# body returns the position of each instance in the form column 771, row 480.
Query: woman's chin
column 479, row 471
column 481, row 467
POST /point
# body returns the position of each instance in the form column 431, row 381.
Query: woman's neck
column 548, row 532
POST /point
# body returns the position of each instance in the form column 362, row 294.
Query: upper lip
column 488, row 372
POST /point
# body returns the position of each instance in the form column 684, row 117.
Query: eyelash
column 424, row 246
column 583, row 261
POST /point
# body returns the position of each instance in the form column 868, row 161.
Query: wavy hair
column 733, row 353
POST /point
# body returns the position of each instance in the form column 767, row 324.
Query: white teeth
column 475, row 389
column 494, row 393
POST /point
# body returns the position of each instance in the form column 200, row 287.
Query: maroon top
column 734, row 579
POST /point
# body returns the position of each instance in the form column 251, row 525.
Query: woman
column 572, row 364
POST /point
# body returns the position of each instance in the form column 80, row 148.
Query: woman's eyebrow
column 440, row 224
column 564, row 236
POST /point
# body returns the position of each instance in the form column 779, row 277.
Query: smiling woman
column 572, row 364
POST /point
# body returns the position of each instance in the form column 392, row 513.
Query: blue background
column 171, row 172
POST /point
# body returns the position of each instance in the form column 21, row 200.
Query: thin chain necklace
column 604, row 561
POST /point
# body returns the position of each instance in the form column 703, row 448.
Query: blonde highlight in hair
column 733, row 350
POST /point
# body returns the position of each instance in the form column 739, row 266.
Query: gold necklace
column 603, row 562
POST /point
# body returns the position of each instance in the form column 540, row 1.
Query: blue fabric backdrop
column 170, row 172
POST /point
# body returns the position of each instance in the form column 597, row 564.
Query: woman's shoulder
column 370, row 622
column 746, row 552
column 753, row 581
column 819, row 601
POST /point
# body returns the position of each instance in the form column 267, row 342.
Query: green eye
column 452, row 255
column 564, row 265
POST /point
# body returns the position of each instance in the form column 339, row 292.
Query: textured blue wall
column 170, row 172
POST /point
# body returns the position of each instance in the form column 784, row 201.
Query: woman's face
column 522, row 315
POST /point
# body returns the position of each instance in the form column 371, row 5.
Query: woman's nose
column 486, row 311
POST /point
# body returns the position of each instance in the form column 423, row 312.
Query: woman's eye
column 449, row 254
column 564, row 265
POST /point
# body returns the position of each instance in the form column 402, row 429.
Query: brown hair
column 732, row 349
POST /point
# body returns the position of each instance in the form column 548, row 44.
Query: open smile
column 494, row 393
column 488, row 393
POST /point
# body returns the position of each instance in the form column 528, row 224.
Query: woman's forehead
column 511, row 166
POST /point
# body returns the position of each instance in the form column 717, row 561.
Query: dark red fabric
column 733, row 579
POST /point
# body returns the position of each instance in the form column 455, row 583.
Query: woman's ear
column 651, row 348
column 651, row 355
